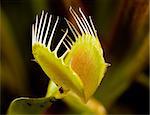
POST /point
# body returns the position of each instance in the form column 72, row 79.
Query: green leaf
column 25, row 105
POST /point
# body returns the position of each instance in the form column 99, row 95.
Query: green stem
column 51, row 89
column 92, row 107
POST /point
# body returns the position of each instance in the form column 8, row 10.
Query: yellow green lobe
column 87, row 61
column 58, row 72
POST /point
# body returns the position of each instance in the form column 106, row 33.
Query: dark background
column 123, row 30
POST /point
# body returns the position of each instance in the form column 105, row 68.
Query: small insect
column 81, row 67
column 61, row 90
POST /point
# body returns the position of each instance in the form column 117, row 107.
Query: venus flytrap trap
column 86, row 54
column 80, row 68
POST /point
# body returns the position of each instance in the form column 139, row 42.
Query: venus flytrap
column 81, row 68
column 76, row 74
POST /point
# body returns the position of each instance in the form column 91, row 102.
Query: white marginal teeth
column 40, row 30
column 68, row 42
column 33, row 36
column 50, row 39
column 86, row 21
column 82, row 23
column 43, row 28
column 79, row 20
column 93, row 26
column 76, row 19
column 72, row 42
column 87, row 30
column 60, row 42
column 66, row 45
column 36, row 28
column 44, row 41
column 72, row 28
